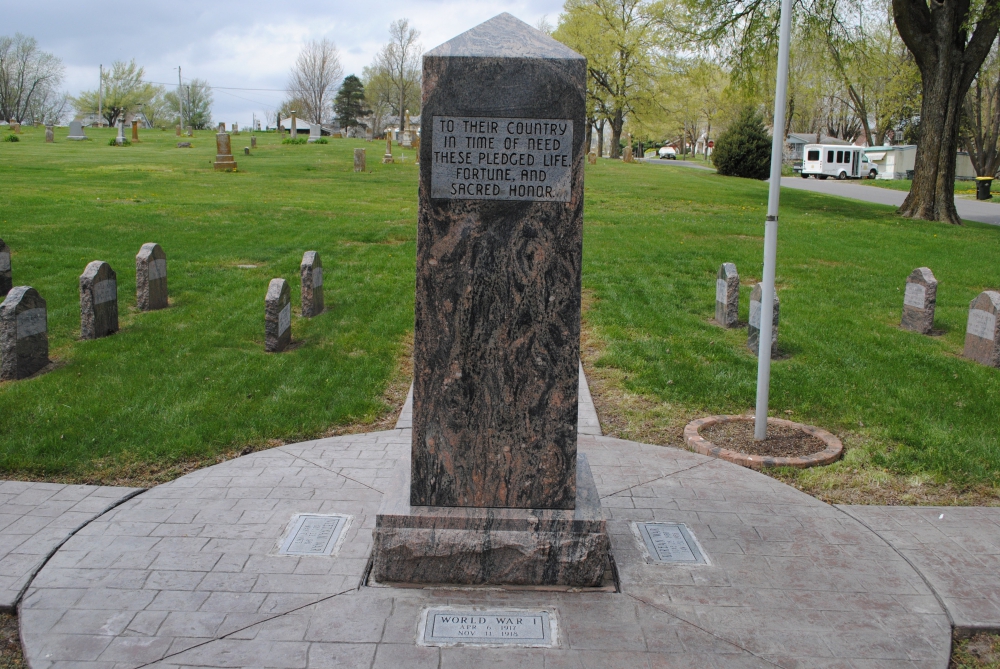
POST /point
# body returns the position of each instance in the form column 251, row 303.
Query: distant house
column 893, row 162
column 796, row 141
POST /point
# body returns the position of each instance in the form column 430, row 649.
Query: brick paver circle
column 188, row 574
column 699, row 444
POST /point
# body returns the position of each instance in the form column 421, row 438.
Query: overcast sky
column 249, row 44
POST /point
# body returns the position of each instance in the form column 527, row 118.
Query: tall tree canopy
column 124, row 92
column 393, row 78
column 349, row 105
column 197, row 100
column 29, row 79
column 314, row 79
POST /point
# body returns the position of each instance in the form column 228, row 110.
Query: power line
column 225, row 88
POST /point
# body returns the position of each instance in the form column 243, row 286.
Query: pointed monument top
column 504, row 36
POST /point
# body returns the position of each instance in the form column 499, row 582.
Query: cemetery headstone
column 178, row 130
column 315, row 132
column 753, row 330
column 387, row 158
column 151, row 277
column 253, row 142
column 246, row 150
column 135, row 130
column 627, row 154
column 982, row 334
column 222, row 126
column 236, row 128
column 311, row 271
column 190, row 132
column 497, row 338
column 592, row 158
column 369, row 134
column 295, row 130
column 16, row 127
column 24, row 338
column 50, row 135
column 183, row 145
column 98, row 301
column 277, row 316
column 359, row 160
column 727, row 296
column 76, row 131
column 919, row 300
column 120, row 139
column 6, row 276
column 224, row 153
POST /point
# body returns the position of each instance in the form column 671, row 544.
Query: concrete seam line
column 940, row 600
column 34, row 573
column 658, row 478
column 316, row 464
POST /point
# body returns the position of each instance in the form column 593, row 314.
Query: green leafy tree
column 124, row 91
column 349, row 106
column 197, row 103
column 744, row 149
column 394, row 75
column 29, row 79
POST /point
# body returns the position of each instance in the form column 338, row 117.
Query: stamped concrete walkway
column 35, row 518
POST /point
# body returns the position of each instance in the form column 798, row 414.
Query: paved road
column 971, row 210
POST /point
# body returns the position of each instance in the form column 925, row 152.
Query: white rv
column 837, row 160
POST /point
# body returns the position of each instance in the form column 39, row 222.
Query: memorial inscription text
column 476, row 158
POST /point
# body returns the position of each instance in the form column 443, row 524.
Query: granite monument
column 76, row 131
column 151, row 278
column 98, row 301
column 311, row 271
column 6, row 276
column 727, row 296
column 919, row 300
column 24, row 338
column 50, row 134
column 277, row 316
column 224, row 161
column 359, row 160
column 982, row 334
column 315, row 132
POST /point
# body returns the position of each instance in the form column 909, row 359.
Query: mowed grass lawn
column 190, row 382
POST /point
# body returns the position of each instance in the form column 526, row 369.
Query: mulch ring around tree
column 787, row 444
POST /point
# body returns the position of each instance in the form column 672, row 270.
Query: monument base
column 490, row 546
column 222, row 165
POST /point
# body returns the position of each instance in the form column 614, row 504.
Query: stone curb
column 697, row 443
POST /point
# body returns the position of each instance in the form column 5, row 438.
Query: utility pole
column 771, row 227
column 100, row 97
column 180, row 96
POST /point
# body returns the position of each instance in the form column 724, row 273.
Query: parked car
column 837, row 160
column 667, row 153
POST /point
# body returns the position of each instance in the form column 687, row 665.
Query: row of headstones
column 982, row 330
column 24, row 339
column 24, row 343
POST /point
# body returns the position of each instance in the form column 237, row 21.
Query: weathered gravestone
column 222, row 126
column 311, row 271
column 120, row 138
column 183, row 145
column 315, row 132
column 982, row 334
column 627, row 154
column 24, row 338
column 98, row 301
column 495, row 491
column 277, row 316
column 178, row 130
column 151, row 278
column 224, row 153
column 246, row 150
column 190, row 132
column 359, row 160
column 6, row 276
column 50, row 134
column 753, row 330
column 295, row 129
column 76, row 131
column 919, row 300
column 387, row 158
column 236, row 128
column 253, row 142
column 592, row 158
column 727, row 296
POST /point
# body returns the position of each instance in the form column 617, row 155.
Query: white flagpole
column 771, row 226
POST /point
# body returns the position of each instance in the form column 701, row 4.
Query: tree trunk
column 617, row 123
column 590, row 134
column 600, row 138
column 936, row 35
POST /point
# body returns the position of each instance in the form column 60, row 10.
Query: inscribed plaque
column 981, row 324
column 105, row 291
column 317, row 277
column 31, row 322
column 722, row 291
column 915, row 296
column 313, row 534
column 670, row 542
column 4, row 262
column 284, row 318
column 446, row 627
column 476, row 158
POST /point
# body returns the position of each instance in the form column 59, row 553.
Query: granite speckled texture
column 98, row 301
column 753, row 328
column 151, row 278
column 919, row 301
column 6, row 276
column 24, row 337
column 727, row 296
column 311, row 272
column 497, row 332
column 490, row 546
column 277, row 316
column 982, row 331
